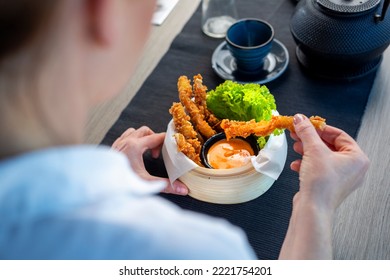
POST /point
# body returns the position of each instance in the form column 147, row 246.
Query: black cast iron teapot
column 342, row 39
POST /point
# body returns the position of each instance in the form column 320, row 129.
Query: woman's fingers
column 296, row 165
column 127, row 132
column 134, row 143
column 177, row 188
column 298, row 147
column 142, row 131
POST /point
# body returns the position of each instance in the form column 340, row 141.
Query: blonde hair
column 21, row 21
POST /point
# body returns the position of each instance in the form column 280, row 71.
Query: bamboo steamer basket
column 222, row 186
column 226, row 186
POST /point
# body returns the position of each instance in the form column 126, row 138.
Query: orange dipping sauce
column 229, row 154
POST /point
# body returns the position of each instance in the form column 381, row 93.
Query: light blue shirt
column 86, row 203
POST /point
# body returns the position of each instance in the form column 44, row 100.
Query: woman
column 63, row 200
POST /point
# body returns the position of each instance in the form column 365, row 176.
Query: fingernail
column 179, row 188
column 298, row 118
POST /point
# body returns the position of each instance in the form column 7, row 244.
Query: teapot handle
column 381, row 17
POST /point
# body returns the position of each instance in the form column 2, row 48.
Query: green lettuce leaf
column 241, row 102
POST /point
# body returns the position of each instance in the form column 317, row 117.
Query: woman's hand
column 332, row 164
column 134, row 143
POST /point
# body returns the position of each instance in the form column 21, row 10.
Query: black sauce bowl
column 220, row 136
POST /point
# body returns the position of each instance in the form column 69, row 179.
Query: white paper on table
column 270, row 161
column 163, row 9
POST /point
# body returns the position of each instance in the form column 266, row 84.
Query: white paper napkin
column 270, row 161
column 163, row 9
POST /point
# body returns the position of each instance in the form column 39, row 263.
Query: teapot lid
column 348, row 6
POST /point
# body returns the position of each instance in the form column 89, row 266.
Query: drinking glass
column 218, row 16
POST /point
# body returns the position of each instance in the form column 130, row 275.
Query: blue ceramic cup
column 249, row 41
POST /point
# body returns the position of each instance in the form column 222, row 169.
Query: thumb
column 305, row 130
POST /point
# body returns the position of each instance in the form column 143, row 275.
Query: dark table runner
column 265, row 219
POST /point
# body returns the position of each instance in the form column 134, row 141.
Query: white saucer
column 275, row 63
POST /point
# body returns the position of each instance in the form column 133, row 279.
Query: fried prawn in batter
column 200, row 95
column 186, row 136
column 264, row 128
column 186, row 147
column 199, row 92
column 197, row 117
column 182, row 121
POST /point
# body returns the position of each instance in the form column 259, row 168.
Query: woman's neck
column 23, row 133
column 41, row 115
